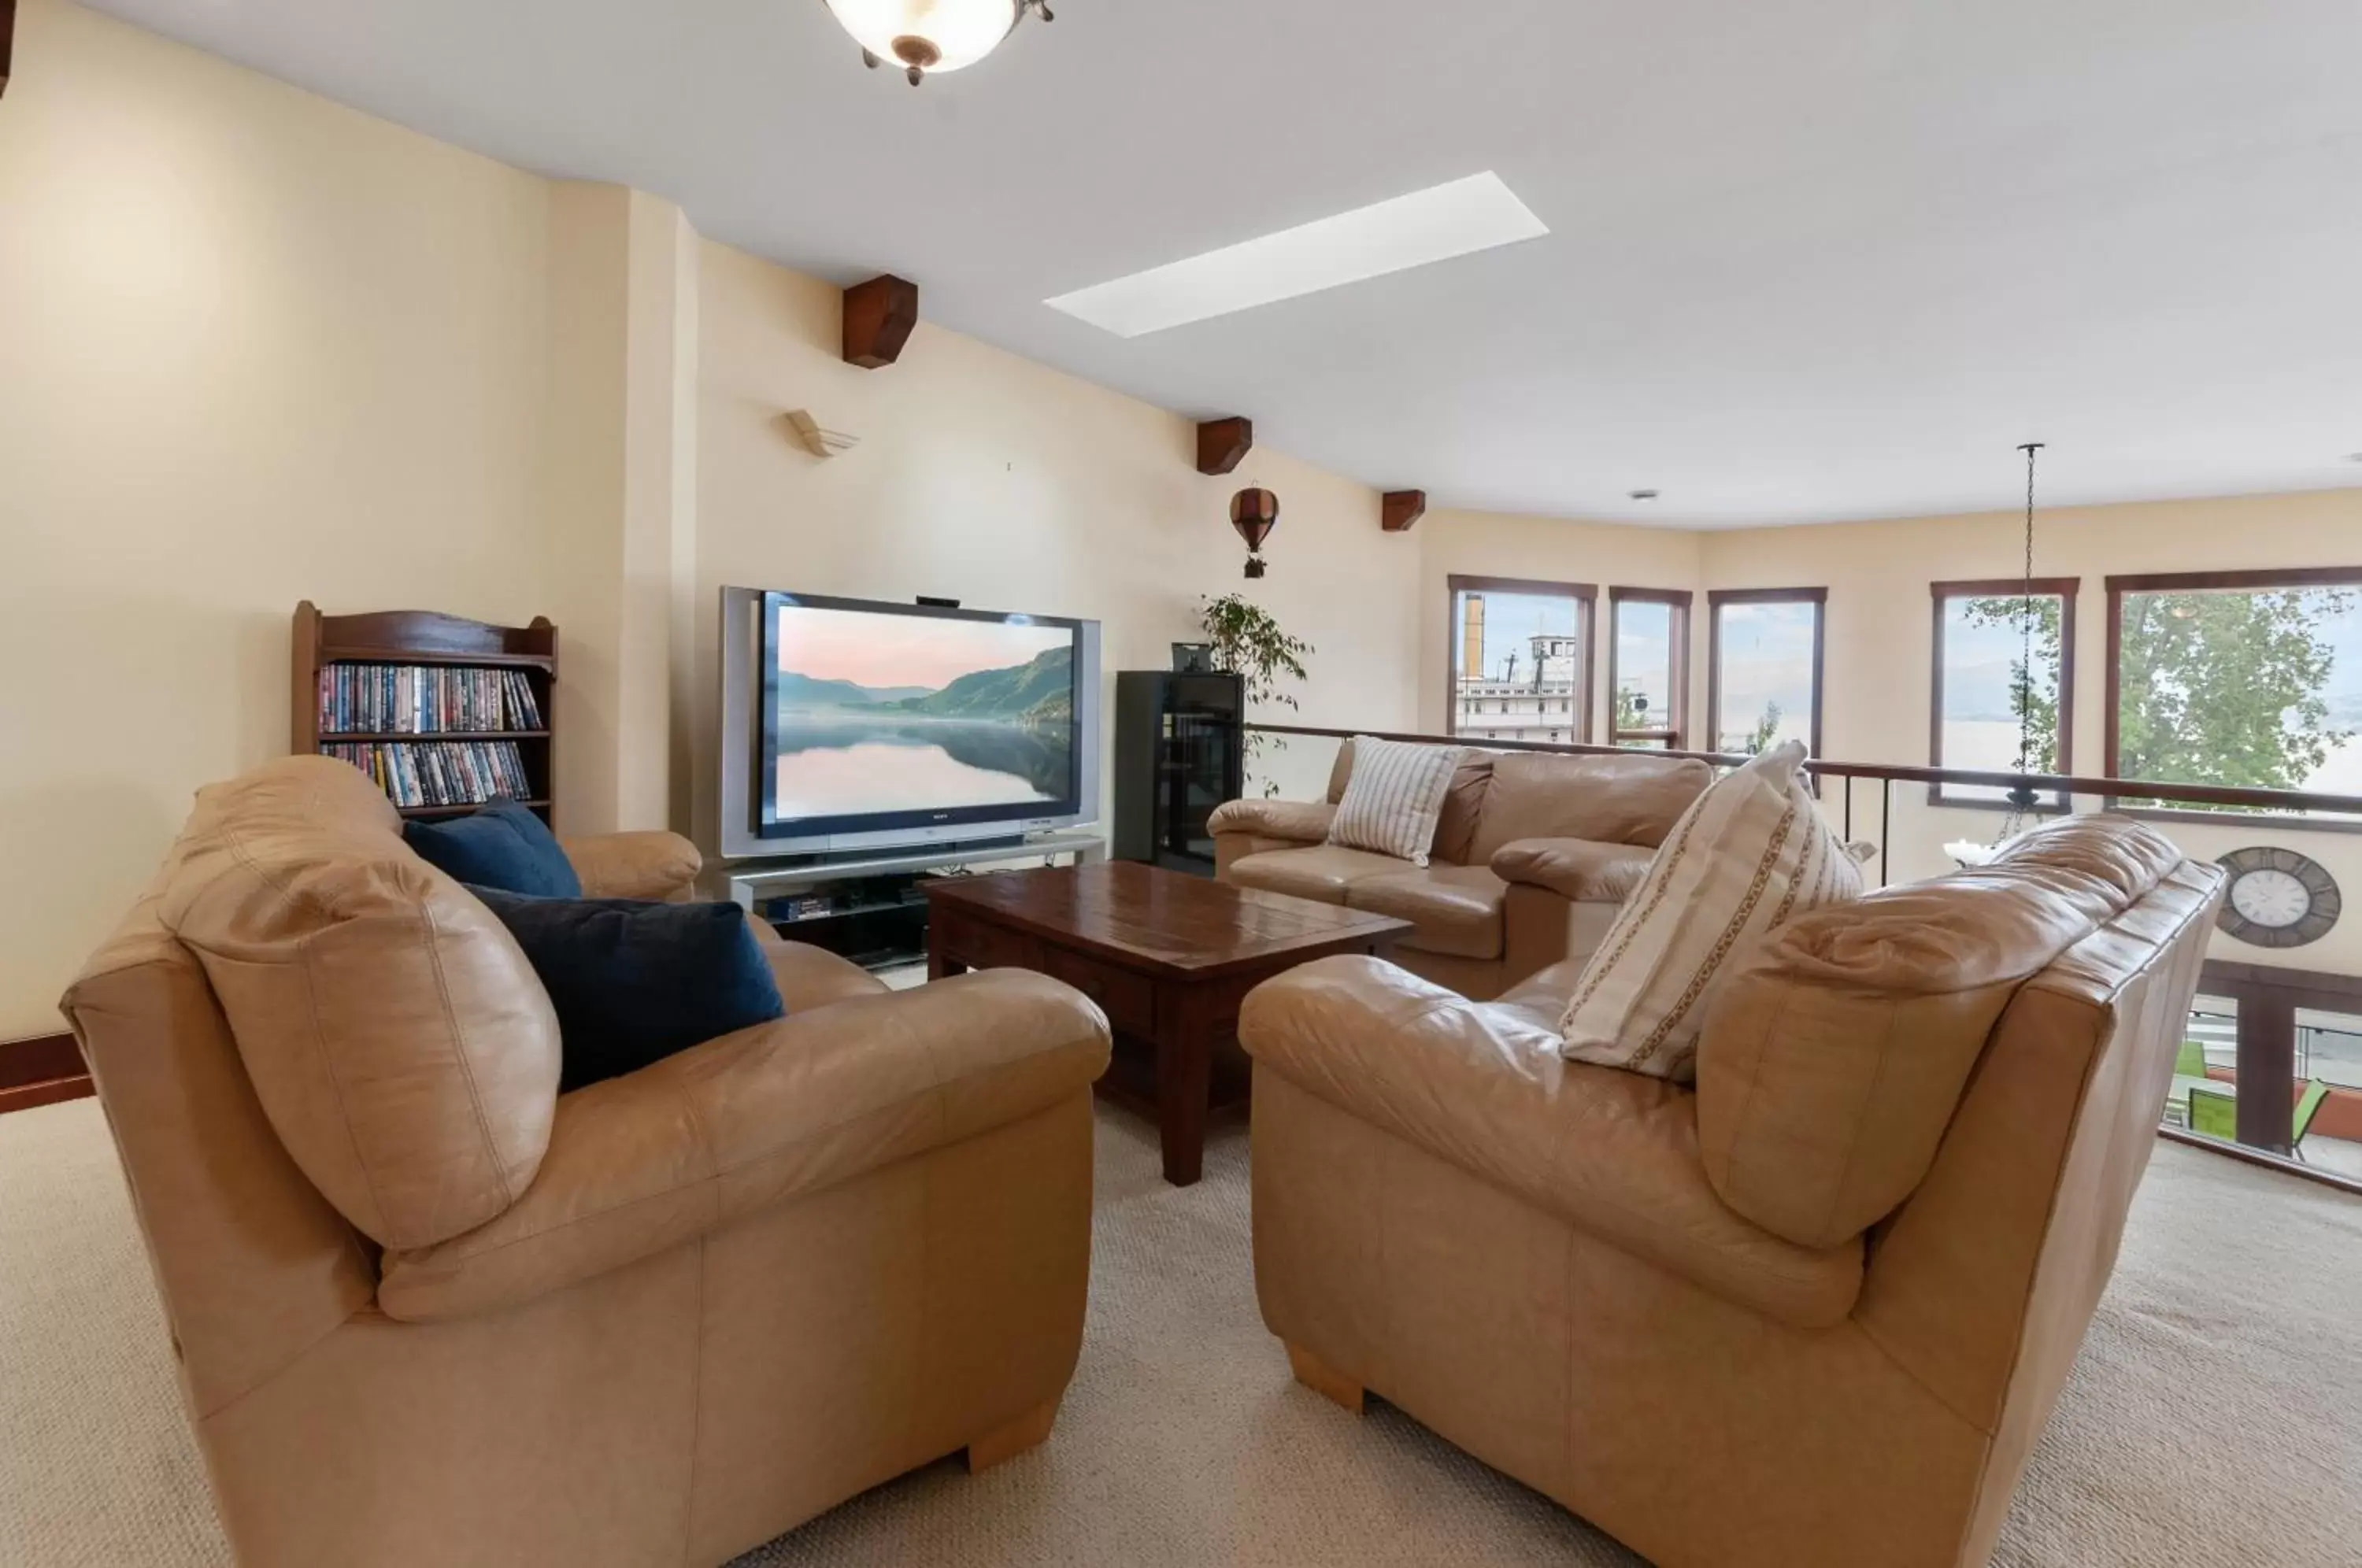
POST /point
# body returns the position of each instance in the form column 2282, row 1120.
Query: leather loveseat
column 428, row 1310
column 1815, row 1312
column 1534, row 853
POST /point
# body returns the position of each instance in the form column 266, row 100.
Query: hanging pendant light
column 926, row 37
column 2023, row 797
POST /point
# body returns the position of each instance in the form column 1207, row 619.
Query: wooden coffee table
column 1168, row 957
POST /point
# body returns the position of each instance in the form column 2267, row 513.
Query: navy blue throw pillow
column 634, row 982
column 504, row 845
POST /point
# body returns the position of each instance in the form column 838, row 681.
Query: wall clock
column 2278, row 897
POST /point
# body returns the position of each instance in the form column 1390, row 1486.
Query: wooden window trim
column 2265, row 578
column 1586, row 598
column 2063, row 588
column 1677, row 599
column 1716, row 599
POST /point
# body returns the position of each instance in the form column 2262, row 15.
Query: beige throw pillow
column 1749, row 854
column 1394, row 798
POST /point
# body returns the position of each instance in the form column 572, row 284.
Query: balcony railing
column 2271, row 1067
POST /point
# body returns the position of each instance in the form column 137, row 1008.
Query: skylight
column 1479, row 213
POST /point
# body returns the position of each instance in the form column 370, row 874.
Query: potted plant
column 1250, row 643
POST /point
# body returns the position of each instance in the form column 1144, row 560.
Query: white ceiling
column 1812, row 258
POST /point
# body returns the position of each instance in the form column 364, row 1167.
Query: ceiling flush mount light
column 932, row 36
column 1480, row 213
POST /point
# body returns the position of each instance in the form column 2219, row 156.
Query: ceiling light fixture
column 924, row 36
column 1644, row 495
column 1438, row 223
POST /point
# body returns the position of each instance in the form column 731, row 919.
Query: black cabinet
column 1180, row 751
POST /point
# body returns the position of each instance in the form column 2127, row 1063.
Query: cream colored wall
column 257, row 348
column 987, row 478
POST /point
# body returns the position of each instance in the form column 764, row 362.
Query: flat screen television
column 851, row 724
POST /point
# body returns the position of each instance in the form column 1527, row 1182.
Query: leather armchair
column 1815, row 1311
column 441, row 1314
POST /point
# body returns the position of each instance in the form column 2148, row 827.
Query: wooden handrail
column 2289, row 801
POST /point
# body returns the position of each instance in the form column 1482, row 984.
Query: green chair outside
column 2191, row 1062
column 2216, row 1115
column 2307, row 1105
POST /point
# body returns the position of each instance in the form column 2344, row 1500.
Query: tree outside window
column 2248, row 680
column 1985, row 706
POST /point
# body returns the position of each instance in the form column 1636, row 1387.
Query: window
column 1648, row 668
column 2246, row 679
column 1763, row 672
column 1520, row 659
column 1980, row 657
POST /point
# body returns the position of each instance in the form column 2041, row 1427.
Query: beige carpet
column 2215, row 1418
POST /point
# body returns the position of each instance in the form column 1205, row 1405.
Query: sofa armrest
column 1575, row 868
column 660, row 865
column 642, row 1163
column 1296, row 822
column 1484, row 1088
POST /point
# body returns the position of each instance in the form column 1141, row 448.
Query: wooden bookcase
column 425, row 638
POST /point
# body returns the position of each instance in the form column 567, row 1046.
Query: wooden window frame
column 1716, row 599
column 2263, row 578
column 1587, row 600
column 2064, row 589
column 1678, row 600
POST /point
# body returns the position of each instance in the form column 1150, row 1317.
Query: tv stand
column 879, row 924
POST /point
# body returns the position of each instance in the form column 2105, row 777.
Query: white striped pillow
column 1749, row 854
column 1393, row 797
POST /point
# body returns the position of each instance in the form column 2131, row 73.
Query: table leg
column 941, row 966
column 1185, row 1072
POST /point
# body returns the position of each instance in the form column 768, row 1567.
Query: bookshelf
column 445, row 709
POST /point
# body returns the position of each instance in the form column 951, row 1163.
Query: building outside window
column 1520, row 659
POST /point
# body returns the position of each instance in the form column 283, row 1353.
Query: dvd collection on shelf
column 414, row 699
column 439, row 773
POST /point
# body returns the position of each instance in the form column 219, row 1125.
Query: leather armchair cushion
column 1299, row 821
column 1832, row 1060
column 641, row 1163
column 1456, row 909
column 400, row 1043
column 1485, row 1087
column 1574, row 868
column 662, row 866
column 811, row 977
column 1632, row 799
column 1320, row 871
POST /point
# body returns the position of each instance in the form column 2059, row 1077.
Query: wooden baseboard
column 43, row 1070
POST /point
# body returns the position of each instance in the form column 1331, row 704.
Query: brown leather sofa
column 1534, row 853
column 427, row 1310
column 1813, row 1313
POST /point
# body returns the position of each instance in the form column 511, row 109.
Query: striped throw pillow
column 1749, row 854
column 1393, row 797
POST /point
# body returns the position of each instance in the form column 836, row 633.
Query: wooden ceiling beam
column 879, row 318
column 1223, row 445
column 1401, row 509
